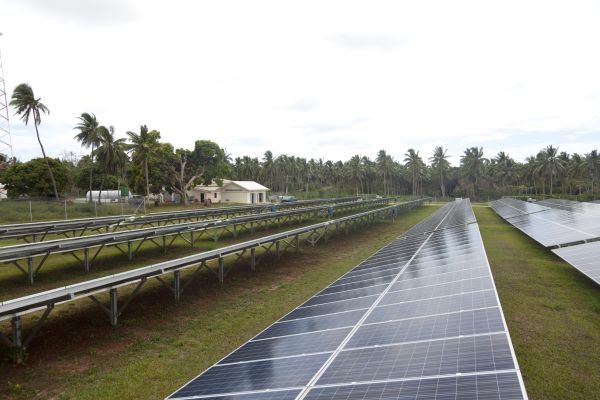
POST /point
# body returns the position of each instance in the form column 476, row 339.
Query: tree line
column 144, row 163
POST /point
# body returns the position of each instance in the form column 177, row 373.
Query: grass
column 552, row 312
column 159, row 346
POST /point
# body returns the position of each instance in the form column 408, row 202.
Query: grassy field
column 552, row 312
column 159, row 346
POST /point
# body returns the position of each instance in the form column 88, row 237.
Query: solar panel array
column 548, row 226
column 571, row 228
column 573, row 206
column 584, row 257
column 419, row 319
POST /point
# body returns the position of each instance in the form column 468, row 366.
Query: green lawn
column 159, row 346
column 552, row 312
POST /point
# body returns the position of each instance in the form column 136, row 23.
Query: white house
column 245, row 192
column 3, row 192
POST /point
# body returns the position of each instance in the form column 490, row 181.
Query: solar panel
column 584, row 257
column 418, row 319
column 549, row 227
column 573, row 206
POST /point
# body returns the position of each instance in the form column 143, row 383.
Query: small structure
column 3, row 192
column 244, row 192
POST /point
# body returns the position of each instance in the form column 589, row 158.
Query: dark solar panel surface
column 548, row 226
column 419, row 319
column 573, row 206
column 584, row 257
column 572, row 228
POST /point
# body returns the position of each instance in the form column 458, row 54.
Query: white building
column 3, row 192
column 244, row 192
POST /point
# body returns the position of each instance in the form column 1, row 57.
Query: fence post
column 66, row 215
column 95, row 209
column 30, row 212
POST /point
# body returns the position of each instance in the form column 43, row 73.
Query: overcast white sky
column 312, row 78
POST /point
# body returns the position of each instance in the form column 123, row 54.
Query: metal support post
column 17, row 340
column 86, row 259
column 114, row 307
column 177, row 284
column 277, row 249
column 30, row 269
column 221, row 269
column 253, row 258
column 129, row 251
column 297, row 243
column 192, row 238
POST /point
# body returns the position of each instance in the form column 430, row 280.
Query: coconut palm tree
column 384, row 166
column 27, row 106
column 473, row 163
column 356, row 171
column 592, row 164
column 551, row 164
column 415, row 165
column 111, row 153
column 144, row 145
column 89, row 136
column 439, row 162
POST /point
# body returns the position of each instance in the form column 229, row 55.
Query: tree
column 356, row 171
column 30, row 178
column 551, row 164
column 209, row 162
column 26, row 106
column 143, row 146
column 472, row 163
column 111, row 153
column 415, row 165
column 89, row 136
column 592, row 163
column 384, row 165
column 439, row 162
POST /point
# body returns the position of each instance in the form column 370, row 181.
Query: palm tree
column 439, row 162
column 111, row 153
column 26, row 106
column 384, row 165
column 592, row 164
column 356, row 171
column 415, row 165
column 143, row 146
column 551, row 163
column 473, row 163
column 89, row 136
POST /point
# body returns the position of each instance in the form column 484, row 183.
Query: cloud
column 381, row 42
column 319, row 128
column 249, row 142
column 89, row 13
column 303, row 105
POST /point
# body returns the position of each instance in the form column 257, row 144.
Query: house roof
column 248, row 185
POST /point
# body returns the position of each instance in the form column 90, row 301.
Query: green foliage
column 209, row 161
column 32, row 179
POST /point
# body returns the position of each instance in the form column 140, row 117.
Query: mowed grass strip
column 159, row 345
column 552, row 312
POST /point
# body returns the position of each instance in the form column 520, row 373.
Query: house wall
column 236, row 197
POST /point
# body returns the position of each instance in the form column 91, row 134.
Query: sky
column 315, row 79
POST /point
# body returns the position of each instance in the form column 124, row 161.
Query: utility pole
column 5, row 139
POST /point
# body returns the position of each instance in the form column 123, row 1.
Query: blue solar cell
column 505, row 386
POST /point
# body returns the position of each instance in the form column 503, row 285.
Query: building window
column 215, row 195
column 260, row 197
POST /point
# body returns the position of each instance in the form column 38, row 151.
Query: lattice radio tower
column 5, row 140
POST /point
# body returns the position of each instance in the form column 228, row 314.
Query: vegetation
column 147, row 165
column 26, row 105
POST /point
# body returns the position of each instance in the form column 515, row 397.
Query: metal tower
column 5, row 140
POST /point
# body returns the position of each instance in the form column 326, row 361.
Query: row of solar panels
column 17, row 252
column 571, row 229
column 54, row 227
column 35, row 302
column 418, row 319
